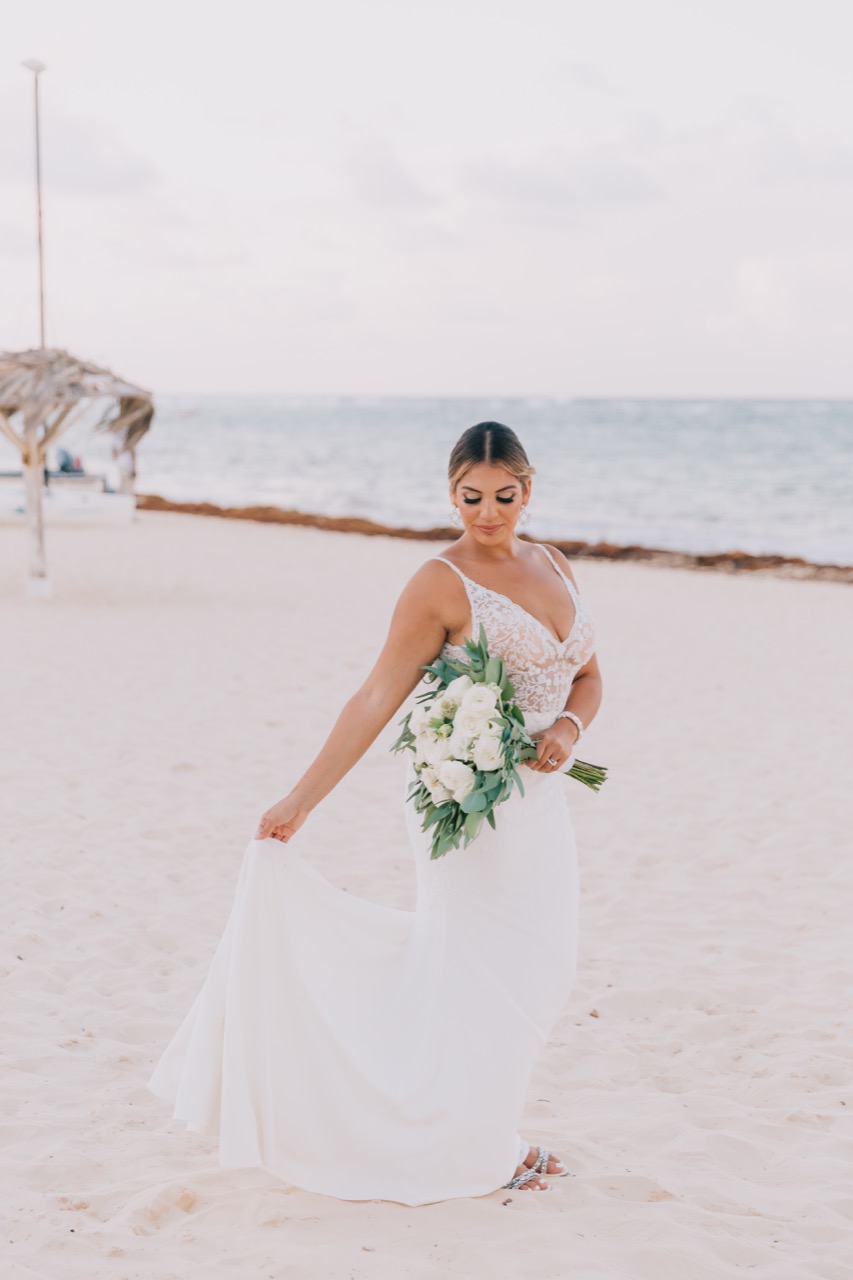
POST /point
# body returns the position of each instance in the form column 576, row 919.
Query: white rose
column 480, row 700
column 436, row 789
column 488, row 752
column 460, row 744
column 470, row 722
column 446, row 706
column 425, row 740
column 420, row 716
column 436, row 750
column 457, row 777
column 457, row 688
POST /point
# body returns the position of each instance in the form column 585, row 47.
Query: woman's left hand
column 554, row 747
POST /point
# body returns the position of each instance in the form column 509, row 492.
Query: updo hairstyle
column 489, row 442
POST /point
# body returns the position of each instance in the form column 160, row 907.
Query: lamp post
column 33, row 454
column 33, row 64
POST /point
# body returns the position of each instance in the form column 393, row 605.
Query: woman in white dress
column 367, row 1052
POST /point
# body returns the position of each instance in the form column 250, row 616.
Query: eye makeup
column 474, row 496
column 472, row 502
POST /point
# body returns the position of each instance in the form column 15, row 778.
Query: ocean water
column 689, row 475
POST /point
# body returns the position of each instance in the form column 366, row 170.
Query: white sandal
column 521, row 1179
column 540, row 1164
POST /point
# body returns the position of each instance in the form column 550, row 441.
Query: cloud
column 551, row 187
column 762, row 299
column 585, row 76
column 763, row 292
column 378, row 177
column 752, row 144
column 787, row 155
column 78, row 155
column 18, row 237
column 86, row 156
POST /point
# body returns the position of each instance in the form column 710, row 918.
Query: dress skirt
column 372, row 1053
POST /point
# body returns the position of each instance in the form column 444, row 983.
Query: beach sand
column 698, row 1084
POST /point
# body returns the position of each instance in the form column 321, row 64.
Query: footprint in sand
column 629, row 1187
column 145, row 1213
column 66, row 1203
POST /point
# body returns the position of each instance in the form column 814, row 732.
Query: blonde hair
column 489, row 442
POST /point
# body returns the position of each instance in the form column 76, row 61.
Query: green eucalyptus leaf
column 494, row 671
column 473, row 822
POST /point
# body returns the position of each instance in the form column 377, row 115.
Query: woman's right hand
column 282, row 821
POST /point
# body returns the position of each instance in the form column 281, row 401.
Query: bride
column 367, row 1052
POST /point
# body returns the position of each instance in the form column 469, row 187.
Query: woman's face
column 490, row 501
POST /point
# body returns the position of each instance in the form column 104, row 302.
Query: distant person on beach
column 374, row 1053
column 68, row 465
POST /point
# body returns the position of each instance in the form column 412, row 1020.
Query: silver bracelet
column 570, row 715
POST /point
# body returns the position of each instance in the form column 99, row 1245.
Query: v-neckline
column 561, row 644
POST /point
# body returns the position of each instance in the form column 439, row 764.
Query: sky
column 460, row 197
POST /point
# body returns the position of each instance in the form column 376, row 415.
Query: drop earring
column 455, row 517
column 525, row 515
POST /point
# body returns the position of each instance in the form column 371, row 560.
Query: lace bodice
column 540, row 667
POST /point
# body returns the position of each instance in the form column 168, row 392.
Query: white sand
column 169, row 693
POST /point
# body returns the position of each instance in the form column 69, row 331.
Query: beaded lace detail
column 540, row 667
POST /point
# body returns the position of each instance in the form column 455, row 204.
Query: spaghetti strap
column 455, row 570
column 573, row 591
column 470, row 594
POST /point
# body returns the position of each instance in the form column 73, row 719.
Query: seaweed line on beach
column 721, row 561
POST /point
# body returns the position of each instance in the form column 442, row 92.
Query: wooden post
column 38, row 584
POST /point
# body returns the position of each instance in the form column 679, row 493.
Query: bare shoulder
column 433, row 588
column 563, row 561
column 432, row 576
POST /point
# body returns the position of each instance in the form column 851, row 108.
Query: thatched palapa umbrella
column 42, row 393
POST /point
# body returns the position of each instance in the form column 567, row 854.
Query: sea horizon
column 702, row 475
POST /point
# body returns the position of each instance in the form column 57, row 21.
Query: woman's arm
column 558, row 741
column 585, row 695
column 417, row 631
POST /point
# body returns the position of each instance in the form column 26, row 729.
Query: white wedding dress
column 367, row 1052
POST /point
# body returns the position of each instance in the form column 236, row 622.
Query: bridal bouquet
column 468, row 737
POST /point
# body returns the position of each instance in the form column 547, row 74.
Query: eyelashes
column 472, row 502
